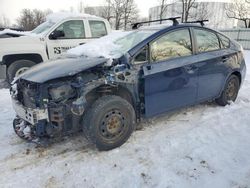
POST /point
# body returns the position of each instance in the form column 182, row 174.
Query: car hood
column 21, row 40
column 58, row 68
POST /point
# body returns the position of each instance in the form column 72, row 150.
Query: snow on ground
column 202, row 146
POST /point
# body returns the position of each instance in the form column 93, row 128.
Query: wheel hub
column 231, row 89
column 112, row 125
column 20, row 71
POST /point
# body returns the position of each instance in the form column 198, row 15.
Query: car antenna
column 138, row 24
column 198, row 21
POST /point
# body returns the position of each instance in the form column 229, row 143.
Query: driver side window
column 172, row 45
column 141, row 57
column 73, row 29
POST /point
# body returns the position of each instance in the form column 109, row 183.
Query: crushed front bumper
column 30, row 115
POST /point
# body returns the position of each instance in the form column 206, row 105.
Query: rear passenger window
column 97, row 28
column 171, row 45
column 206, row 40
column 225, row 43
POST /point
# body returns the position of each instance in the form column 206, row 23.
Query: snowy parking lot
column 204, row 146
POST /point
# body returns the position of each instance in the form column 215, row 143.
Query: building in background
column 215, row 12
column 94, row 10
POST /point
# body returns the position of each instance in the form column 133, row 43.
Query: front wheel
column 230, row 91
column 109, row 122
column 17, row 68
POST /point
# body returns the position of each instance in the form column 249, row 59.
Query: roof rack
column 198, row 21
column 138, row 24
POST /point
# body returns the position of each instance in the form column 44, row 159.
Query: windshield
column 113, row 45
column 131, row 40
column 43, row 27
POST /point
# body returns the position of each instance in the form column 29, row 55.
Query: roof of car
column 59, row 16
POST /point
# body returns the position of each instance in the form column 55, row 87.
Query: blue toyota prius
column 105, row 87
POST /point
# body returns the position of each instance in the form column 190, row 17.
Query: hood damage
column 63, row 90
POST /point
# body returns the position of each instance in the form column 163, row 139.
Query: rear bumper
column 28, row 114
column 2, row 71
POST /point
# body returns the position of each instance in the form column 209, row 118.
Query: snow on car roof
column 100, row 47
column 9, row 31
column 58, row 16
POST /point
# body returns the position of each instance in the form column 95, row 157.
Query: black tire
column 230, row 91
column 17, row 65
column 109, row 122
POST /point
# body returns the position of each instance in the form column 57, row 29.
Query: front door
column 74, row 35
column 170, row 79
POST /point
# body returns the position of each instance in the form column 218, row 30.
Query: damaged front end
column 56, row 108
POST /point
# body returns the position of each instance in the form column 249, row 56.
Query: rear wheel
column 109, row 122
column 17, row 68
column 230, row 91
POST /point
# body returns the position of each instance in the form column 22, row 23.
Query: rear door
column 212, row 60
column 75, row 34
column 170, row 79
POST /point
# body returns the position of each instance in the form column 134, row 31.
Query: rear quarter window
column 225, row 42
column 206, row 40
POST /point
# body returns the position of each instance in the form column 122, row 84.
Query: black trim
column 198, row 21
column 138, row 24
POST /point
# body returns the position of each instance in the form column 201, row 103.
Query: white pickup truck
column 49, row 40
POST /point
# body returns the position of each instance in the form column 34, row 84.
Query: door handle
column 149, row 67
column 191, row 69
column 81, row 43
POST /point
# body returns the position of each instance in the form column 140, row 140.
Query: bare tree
column 163, row 8
column 120, row 12
column 130, row 12
column 202, row 12
column 80, row 7
column 107, row 11
column 4, row 21
column 239, row 10
column 29, row 19
column 187, row 5
column 118, row 8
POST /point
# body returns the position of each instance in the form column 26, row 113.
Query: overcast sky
column 11, row 8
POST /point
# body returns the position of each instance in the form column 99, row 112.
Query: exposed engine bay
column 57, row 107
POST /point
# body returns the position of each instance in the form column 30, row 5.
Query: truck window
column 73, row 29
column 97, row 28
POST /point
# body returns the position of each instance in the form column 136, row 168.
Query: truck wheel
column 18, row 67
column 109, row 122
column 230, row 91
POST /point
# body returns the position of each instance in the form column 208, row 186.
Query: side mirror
column 56, row 34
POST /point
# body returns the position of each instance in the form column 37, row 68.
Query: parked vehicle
column 10, row 32
column 123, row 78
column 60, row 32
